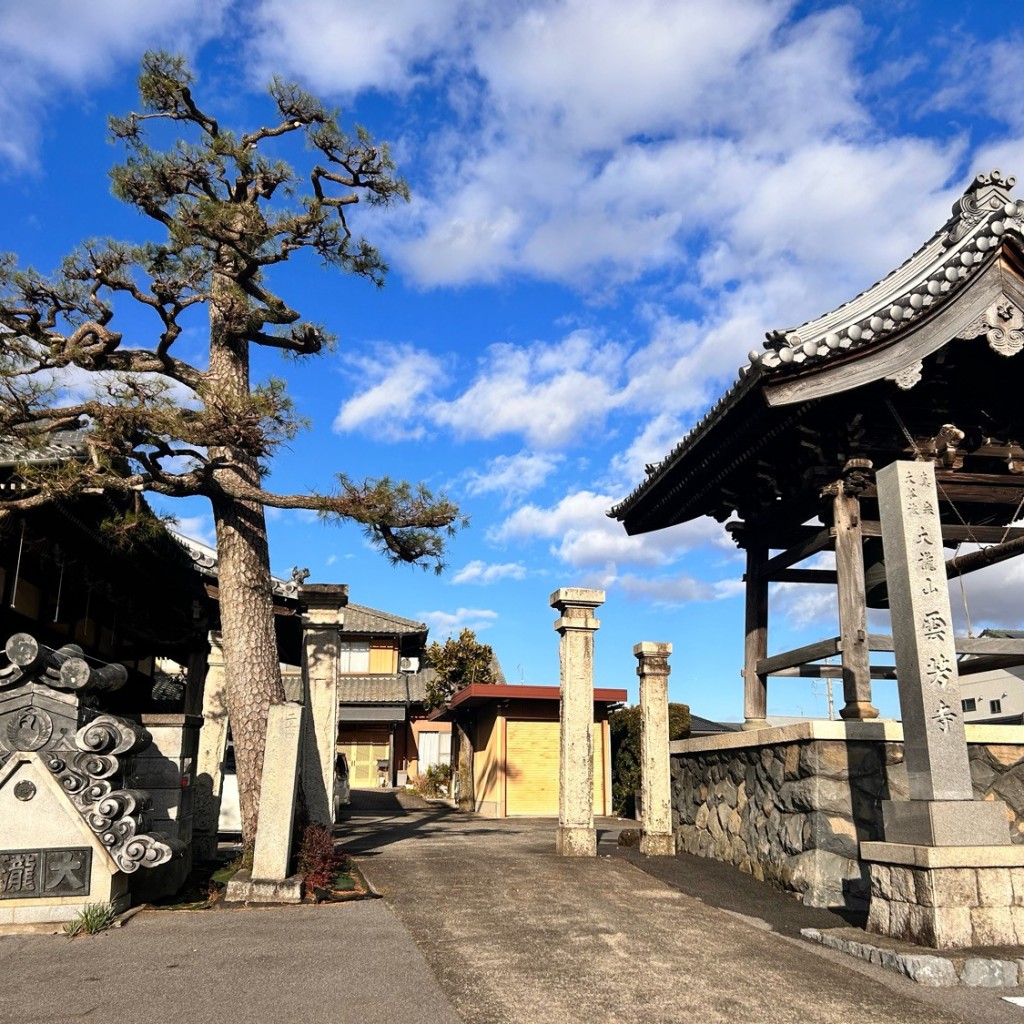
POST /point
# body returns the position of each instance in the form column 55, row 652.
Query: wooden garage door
column 363, row 748
column 531, row 769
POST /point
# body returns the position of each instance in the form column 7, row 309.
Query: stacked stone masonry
column 947, row 908
column 794, row 813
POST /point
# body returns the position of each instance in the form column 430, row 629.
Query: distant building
column 995, row 697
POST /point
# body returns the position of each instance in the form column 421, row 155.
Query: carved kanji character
column 944, row 716
column 933, row 625
column 939, row 670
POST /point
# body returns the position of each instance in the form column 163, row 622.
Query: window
column 995, row 707
column 969, row 705
column 354, row 656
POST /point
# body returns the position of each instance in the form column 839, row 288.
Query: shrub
column 436, row 782
column 624, row 726
column 319, row 861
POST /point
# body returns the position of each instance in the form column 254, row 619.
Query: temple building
column 919, row 366
column 888, row 431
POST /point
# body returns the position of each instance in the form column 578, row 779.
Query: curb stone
column 934, row 971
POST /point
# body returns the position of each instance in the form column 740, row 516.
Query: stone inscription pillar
column 942, row 810
column 576, row 626
column 321, row 625
column 269, row 881
column 656, row 839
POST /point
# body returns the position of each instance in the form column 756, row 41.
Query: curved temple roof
column 981, row 220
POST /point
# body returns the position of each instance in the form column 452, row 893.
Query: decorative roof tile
column 982, row 217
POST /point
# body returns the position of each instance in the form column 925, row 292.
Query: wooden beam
column 964, row 644
column 987, row 662
column 970, row 534
column 820, row 540
column 804, row 576
column 832, row 671
column 812, row 652
column 959, row 565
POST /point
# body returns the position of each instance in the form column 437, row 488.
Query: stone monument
column 269, row 880
column 656, row 838
column 73, row 833
column 946, row 874
column 576, row 626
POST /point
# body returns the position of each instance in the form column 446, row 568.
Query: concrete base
column 243, row 888
column 658, row 844
column 576, row 841
column 947, row 897
column 945, row 822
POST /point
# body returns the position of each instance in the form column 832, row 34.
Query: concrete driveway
column 515, row 934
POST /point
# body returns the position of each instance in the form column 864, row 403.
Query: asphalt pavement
column 479, row 923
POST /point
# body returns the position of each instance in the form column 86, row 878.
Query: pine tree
column 227, row 214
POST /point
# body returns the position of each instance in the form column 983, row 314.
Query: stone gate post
column 576, row 626
column 213, row 741
column 321, row 625
column 656, row 839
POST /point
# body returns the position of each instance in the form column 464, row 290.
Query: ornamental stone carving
column 47, row 707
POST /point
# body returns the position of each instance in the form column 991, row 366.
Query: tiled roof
column 384, row 689
column 967, row 242
column 361, row 619
column 204, row 558
column 64, row 444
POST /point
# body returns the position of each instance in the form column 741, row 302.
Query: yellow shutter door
column 363, row 748
column 531, row 769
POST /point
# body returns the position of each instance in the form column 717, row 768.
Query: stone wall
column 791, row 805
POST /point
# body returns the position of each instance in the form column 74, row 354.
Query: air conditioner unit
column 408, row 664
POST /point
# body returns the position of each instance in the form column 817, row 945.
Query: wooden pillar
column 853, row 615
column 755, row 686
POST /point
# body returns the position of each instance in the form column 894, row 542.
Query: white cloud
column 449, row 623
column 545, row 392
column 199, row 528
column 548, row 393
column 399, row 377
column 479, row 571
column 349, row 47
column 53, row 46
column 584, row 537
column 671, row 591
column 511, row 475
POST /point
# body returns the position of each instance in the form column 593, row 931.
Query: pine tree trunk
column 252, row 669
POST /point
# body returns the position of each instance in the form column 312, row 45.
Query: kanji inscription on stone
column 922, row 633
column 31, row 874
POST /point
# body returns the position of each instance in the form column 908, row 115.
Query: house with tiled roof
column 382, row 679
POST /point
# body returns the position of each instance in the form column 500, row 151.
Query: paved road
column 516, row 935
column 350, row 963
column 480, row 924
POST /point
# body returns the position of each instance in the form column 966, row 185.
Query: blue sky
column 611, row 204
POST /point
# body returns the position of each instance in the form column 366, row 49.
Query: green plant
column 319, row 860
column 437, row 781
column 624, row 726
column 456, row 664
column 91, row 919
